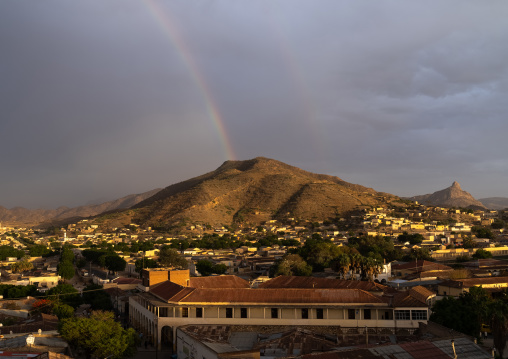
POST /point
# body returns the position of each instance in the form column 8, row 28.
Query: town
column 383, row 271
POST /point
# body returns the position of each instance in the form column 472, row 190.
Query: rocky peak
column 453, row 196
column 456, row 185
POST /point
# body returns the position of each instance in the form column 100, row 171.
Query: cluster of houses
column 245, row 314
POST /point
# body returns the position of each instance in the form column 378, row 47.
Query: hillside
column 253, row 191
column 29, row 216
column 452, row 196
column 496, row 203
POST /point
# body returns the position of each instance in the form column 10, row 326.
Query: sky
column 101, row 99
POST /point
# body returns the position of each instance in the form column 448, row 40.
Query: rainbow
column 315, row 129
column 167, row 25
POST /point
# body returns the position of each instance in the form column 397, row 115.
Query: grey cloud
column 99, row 99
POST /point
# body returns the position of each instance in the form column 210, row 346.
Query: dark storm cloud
column 103, row 99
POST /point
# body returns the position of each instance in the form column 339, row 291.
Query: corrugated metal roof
column 223, row 281
column 464, row 348
column 421, row 293
column 420, row 265
column 344, row 354
column 321, row 283
column 281, row 296
column 471, row 282
column 424, row 350
column 169, row 291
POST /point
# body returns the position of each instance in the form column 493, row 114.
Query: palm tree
column 356, row 264
column 341, row 265
column 370, row 268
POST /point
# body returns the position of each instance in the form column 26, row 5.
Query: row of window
column 410, row 315
column 352, row 313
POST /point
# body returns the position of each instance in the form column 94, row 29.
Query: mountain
column 29, row 216
column 253, row 191
column 452, row 196
column 496, row 203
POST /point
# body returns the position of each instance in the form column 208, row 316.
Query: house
column 418, row 266
column 457, row 287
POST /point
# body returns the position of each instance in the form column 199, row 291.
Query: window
column 229, row 312
column 305, row 313
column 367, row 314
column 185, row 312
column 351, row 314
column 199, row 312
column 243, row 312
column 402, row 315
column 419, row 314
column 275, row 312
column 319, row 313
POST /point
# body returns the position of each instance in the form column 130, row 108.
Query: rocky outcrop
column 453, row 196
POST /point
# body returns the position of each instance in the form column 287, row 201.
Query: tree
column 418, row 253
column 220, row 268
column 291, row 264
column 22, row 265
column 115, row 263
column 204, row 267
column 67, row 254
column 18, row 291
column 318, row 252
column 464, row 314
column 81, row 263
column 99, row 335
column 482, row 232
column 145, row 263
column 498, row 224
column 66, row 270
column 415, row 238
column 370, row 268
column 169, row 257
column 65, row 293
column 63, row 311
column 38, row 250
column 98, row 298
column 8, row 251
column 341, row 265
column 498, row 311
column 482, row 254
column 468, row 242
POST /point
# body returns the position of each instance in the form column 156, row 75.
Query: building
column 457, row 287
column 229, row 300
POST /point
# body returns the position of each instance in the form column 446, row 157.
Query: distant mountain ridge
column 496, row 203
column 33, row 216
column 254, row 191
column 452, row 196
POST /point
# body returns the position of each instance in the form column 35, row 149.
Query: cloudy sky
column 101, row 99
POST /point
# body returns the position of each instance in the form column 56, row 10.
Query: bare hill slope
column 35, row 216
column 253, row 191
